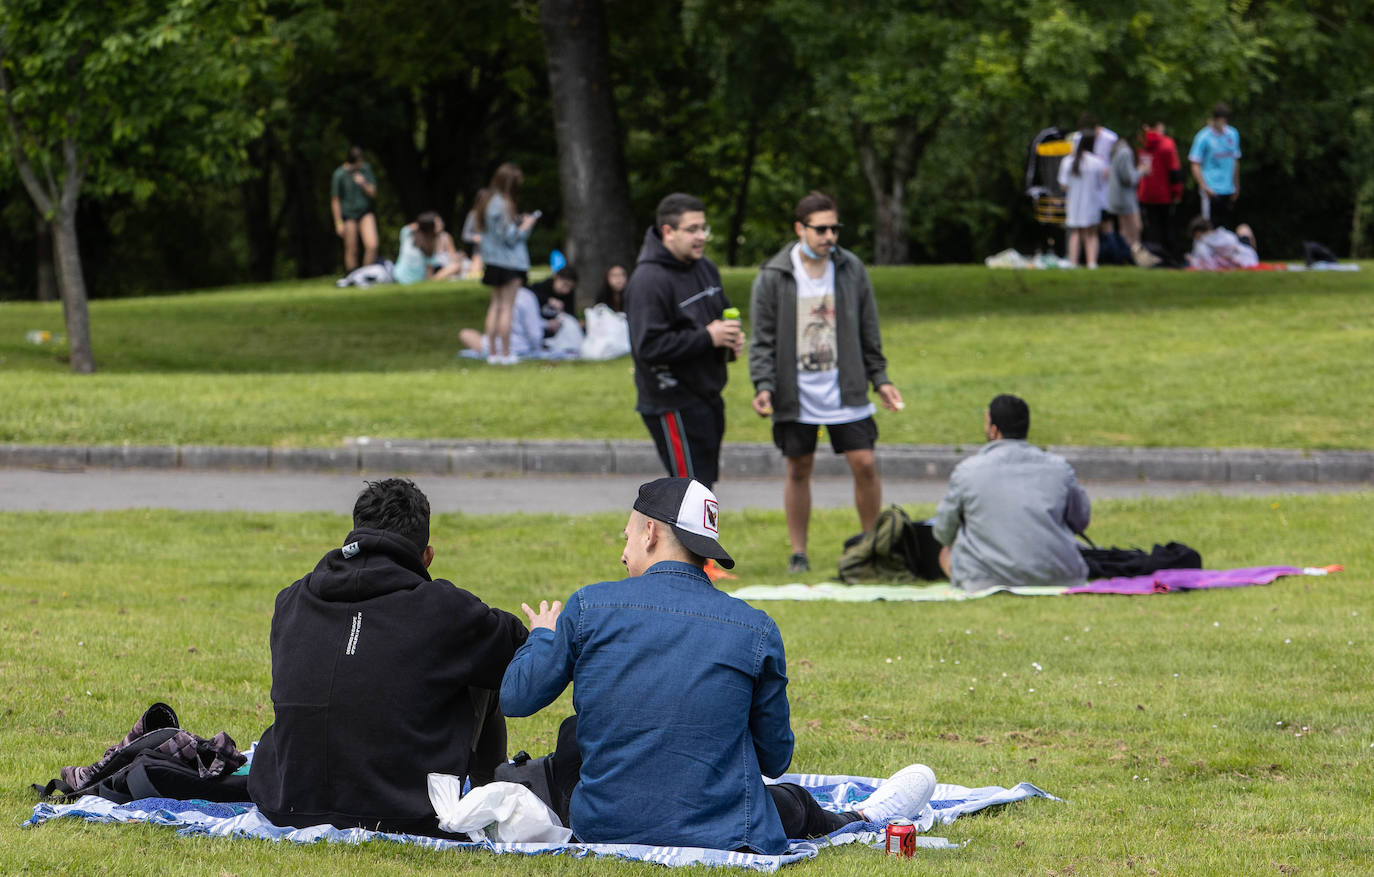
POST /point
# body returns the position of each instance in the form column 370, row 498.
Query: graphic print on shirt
column 816, row 332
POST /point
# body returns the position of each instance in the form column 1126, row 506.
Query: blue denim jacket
column 681, row 699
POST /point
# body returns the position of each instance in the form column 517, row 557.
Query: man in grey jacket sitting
column 1011, row 511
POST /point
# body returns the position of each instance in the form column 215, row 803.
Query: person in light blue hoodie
column 504, row 255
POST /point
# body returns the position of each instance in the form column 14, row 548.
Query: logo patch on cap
column 709, row 521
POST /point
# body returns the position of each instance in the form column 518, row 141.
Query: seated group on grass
column 426, row 252
column 382, row 675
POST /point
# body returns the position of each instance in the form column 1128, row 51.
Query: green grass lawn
column 1226, row 732
column 1113, row 357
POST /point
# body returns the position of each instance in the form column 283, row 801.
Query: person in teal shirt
column 427, row 251
column 1215, row 157
column 352, row 200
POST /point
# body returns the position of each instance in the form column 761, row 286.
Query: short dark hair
column 1199, row 225
column 397, row 506
column 1087, row 121
column 355, row 154
column 671, row 208
column 1011, row 415
column 567, row 272
column 813, row 202
column 1220, row 110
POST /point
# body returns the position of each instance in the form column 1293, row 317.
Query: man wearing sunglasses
column 681, row 342
column 814, row 350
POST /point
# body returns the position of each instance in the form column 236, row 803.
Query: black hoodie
column 371, row 663
column 669, row 302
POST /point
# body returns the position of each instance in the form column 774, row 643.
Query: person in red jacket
column 1162, row 188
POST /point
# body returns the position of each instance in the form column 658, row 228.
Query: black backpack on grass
column 896, row 550
column 1108, row 563
column 157, row 759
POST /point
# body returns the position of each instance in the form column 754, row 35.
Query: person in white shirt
column 814, row 350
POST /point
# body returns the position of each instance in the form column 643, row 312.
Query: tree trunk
column 47, row 275
column 73, row 284
column 751, row 151
column 591, row 158
column 888, row 177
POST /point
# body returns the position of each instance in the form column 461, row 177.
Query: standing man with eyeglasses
column 815, row 348
column 681, row 343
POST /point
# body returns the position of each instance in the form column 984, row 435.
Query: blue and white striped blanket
column 833, row 792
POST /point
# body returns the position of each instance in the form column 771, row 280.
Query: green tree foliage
column 123, row 97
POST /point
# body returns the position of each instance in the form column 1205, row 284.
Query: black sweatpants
column 801, row 816
column 688, row 439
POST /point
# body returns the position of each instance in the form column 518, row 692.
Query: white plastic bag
column 568, row 338
column 608, row 334
column 500, row 812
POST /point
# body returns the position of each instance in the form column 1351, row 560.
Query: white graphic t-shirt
column 818, row 372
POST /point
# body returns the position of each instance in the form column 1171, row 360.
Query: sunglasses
column 827, row 229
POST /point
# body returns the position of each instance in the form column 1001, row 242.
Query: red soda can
column 901, row 838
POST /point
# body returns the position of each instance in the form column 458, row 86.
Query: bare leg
column 796, row 500
column 471, row 338
column 367, row 229
column 489, row 328
column 868, row 488
column 1090, row 246
column 350, row 239
column 1075, row 243
column 1130, row 228
column 505, row 310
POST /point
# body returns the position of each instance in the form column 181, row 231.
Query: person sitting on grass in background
column 1220, row 249
column 557, row 293
column 427, row 251
column 613, row 290
column 1012, row 510
column 381, row 675
column 531, row 332
column 681, row 699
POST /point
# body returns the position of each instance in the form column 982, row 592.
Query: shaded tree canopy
column 914, row 115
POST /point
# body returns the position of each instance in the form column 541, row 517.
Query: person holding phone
column 504, row 254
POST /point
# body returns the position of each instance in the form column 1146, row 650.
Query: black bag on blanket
column 895, row 550
column 1109, row 563
column 157, row 759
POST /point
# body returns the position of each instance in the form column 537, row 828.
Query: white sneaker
column 512, row 359
column 493, row 359
column 902, row 796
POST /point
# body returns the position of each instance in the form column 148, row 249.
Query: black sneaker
column 799, row 563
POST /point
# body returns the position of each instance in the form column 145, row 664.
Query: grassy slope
column 1224, row 732
column 1116, row 357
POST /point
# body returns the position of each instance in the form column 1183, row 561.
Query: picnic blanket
column 835, row 793
column 1162, row 582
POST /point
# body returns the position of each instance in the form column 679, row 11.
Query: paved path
column 80, row 490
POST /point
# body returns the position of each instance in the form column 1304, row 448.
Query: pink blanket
column 1187, row 580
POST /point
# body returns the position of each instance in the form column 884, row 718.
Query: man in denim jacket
column 681, row 697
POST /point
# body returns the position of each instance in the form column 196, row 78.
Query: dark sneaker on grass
column 799, row 563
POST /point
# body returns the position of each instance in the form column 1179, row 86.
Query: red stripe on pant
column 675, row 444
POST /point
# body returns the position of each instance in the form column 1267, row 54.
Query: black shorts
column 495, row 275
column 347, row 218
column 688, row 439
column 799, row 439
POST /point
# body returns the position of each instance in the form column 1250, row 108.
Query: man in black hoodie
column 681, row 343
column 380, row 676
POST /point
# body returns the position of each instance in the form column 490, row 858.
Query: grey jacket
column 773, row 334
column 503, row 241
column 1015, row 509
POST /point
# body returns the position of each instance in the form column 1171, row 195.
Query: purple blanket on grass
column 1166, row 580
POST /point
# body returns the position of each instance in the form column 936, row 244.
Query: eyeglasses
column 697, row 229
column 827, row 229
